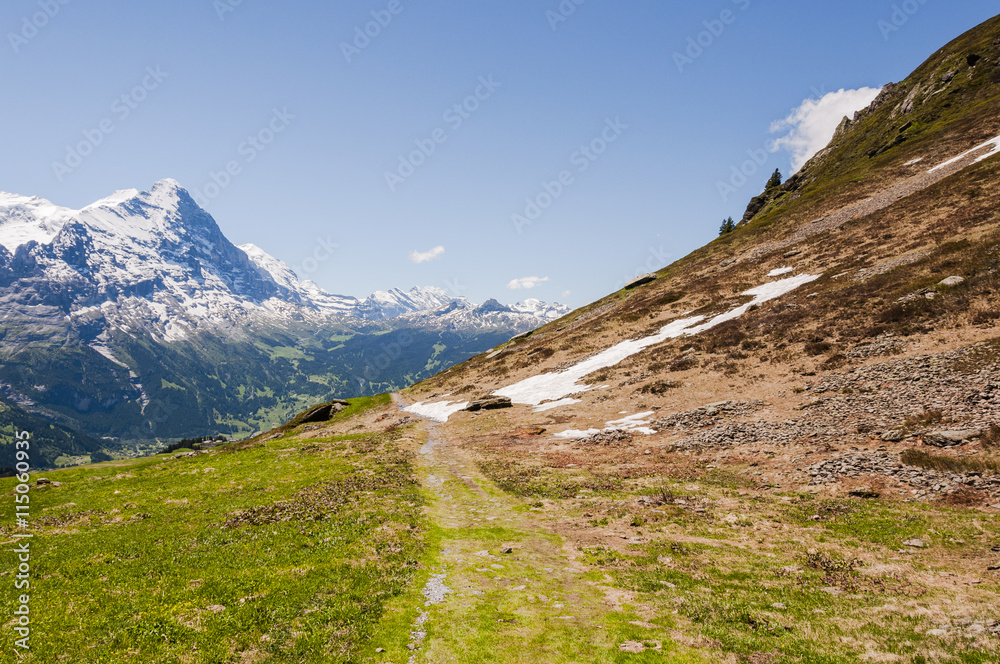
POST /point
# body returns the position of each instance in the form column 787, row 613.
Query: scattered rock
column 489, row 403
column 42, row 481
column 936, row 632
column 779, row 605
column 632, row 647
column 612, row 437
column 793, row 252
column 915, row 544
column 216, row 608
column 951, row 281
column 894, row 436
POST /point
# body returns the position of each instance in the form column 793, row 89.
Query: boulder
column 324, row 412
column 894, row 436
column 489, row 403
column 865, row 492
column 951, row 281
column 951, row 438
column 640, row 280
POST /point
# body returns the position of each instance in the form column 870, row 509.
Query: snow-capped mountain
column 135, row 317
column 157, row 260
column 545, row 310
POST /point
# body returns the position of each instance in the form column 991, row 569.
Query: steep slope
column 796, row 423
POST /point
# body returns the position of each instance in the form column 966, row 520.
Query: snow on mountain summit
column 156, row 260
column 25, row 219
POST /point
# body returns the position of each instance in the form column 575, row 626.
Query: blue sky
column 310, row 118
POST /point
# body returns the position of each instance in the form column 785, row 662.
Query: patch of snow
column 780, row 271
column 24, row 219
column 576, row 433
column 630, row 422
column 995, row 142
column 117, row 197
column 634, row 423
column 558, row 385
column 914, row 161
column 106, row 352
column 438, row 412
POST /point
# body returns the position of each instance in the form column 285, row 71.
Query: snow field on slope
column 561, row 384
column 558, row 386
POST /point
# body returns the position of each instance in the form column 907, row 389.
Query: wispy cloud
column 427, row 256
column 811, row 126
column 526, row 283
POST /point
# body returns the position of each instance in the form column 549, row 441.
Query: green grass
column 301, row 541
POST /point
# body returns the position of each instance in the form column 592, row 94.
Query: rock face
column 489, row 403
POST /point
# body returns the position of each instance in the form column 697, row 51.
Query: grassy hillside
column 287, row 550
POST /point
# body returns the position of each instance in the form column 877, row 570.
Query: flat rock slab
column 324, row 412
column 951, row 438
column 640, row 280
column 491, row 403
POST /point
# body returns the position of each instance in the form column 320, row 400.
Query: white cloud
column 526, row 282
column 426, row 256
column 567, row 293
column 811, row 126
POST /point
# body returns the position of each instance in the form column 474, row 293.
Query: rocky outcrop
column 489, row 403
column 324, row 412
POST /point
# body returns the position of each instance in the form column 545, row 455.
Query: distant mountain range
column 136, row 319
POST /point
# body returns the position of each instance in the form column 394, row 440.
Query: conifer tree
column 775, row 180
